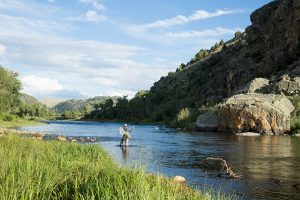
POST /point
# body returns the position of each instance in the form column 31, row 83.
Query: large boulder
column 265, row 114
column 207, row 122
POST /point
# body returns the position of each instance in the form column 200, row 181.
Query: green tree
column 87, row 109
column 10, row 88
column 72, row 114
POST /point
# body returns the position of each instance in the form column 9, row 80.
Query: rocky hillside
column 269, row 48
column 265, row 59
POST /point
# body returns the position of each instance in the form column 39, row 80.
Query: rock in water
column 265, row 114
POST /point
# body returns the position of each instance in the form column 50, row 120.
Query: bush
column 183, row 119
column 237, row 34
column 295, row 124
column 295, row 118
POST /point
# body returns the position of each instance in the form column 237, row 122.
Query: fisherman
column 125, row 135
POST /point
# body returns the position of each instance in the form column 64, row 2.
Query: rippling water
column 270, row 165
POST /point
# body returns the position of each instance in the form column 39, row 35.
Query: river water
column 270, row 165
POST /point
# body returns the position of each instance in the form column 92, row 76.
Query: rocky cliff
column 269, row 49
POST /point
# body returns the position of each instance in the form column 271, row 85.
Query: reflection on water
column 270, row 165
column 124, row 153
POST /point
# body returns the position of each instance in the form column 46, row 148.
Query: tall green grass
column 10, row 120
column 19, row 122
column 32, row 169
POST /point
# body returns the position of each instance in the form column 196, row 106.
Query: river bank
column 58, row 170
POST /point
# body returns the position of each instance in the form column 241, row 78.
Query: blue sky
column 83, row 48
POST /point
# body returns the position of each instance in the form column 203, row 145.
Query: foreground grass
column 32, row 169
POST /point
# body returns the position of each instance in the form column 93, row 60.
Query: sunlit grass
column 32, row 169
column 18, row 122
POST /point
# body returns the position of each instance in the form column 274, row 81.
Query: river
column 270, row 165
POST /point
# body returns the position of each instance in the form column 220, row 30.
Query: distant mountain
column 51, row 102
column 27, row 99
column 80, row 104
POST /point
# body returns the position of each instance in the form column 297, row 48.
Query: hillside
column 269, row 48
column 80, row 105
column 31, row 107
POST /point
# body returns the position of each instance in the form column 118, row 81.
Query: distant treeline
column 78, row 108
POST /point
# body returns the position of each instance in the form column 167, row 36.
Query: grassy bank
column 19, row 122
column 10, row 120
column 32, row 169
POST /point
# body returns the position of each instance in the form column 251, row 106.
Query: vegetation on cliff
column 295, row 120
column 36, row 169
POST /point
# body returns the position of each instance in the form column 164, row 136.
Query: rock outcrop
column 283, row 85
column 257, row 85
column 286, row 85
column 265, row 114
column 207, row 122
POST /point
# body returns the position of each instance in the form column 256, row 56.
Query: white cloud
column 2, row 49
column 204, row 37
column 105, row 81
column 95, row 15
column 160, row 31
column 90, row 15
column 13, row 5
column 98, row 5
column 91, row 66
column 202, row 34
column 181, row 19
column 120, row 92
column 35, row 85
column 44, row 46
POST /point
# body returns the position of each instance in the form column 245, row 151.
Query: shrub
column 295, row 124
column 237, row 34
column 295, row 120
column 183, row 118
